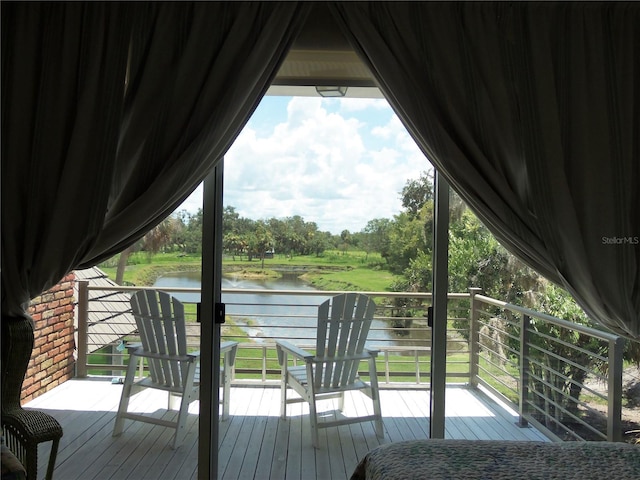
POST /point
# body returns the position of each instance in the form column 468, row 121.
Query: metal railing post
column 474, row 329
column 83, row 321
column 524, row 370
column 264, row 364
column 614, row 411
column 386, row 366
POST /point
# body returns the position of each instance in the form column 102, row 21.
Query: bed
column 497, row 460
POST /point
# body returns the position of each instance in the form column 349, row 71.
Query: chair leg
column 124, row 398
column 375, row 397
column 187, row 398
column 180, row 422
column 379, row 426
column 226, row 391
column 283, row 394
column 52, row 458
column 313, row 417
column 32, row 461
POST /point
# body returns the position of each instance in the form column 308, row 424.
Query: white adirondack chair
column 343, row 326
column 161, row 325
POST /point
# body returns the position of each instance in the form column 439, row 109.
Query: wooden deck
column 254, row 442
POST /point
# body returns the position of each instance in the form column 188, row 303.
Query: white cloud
column 336, row 163
column 357, row 104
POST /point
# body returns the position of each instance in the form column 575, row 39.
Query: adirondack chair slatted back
column 343, row 326
column 161, row 324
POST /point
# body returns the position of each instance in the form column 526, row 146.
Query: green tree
column 320, row 242
column 230, row 220
column 406, row 239
column 234, row 244
column 260, row 241
column 552, row 343
column 190, row 235
column 280, row 234
column 345, row 237
column 310, row 231
column 297, row 234
column 416, row 193
column 410, row 237
column 161, row 238
column 376, row 236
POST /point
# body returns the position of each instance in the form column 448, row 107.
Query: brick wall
column 52, row 358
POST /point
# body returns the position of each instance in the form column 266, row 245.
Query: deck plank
column 308, row 456
column 254, row 442
column 229, row 458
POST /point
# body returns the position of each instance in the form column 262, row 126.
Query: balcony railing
column 564, row 378
column 562, row 374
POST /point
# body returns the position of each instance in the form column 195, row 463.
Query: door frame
column 211, row 294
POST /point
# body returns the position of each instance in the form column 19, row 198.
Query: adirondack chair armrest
column 361, row 356
column 229, row 350
column 284, row 348
column 372, row 351
column 190, row 357
column 132, row 346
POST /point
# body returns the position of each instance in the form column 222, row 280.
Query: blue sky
column 336, row 162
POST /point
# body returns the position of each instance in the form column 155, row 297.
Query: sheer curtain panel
column 531, row 110
column 112, row 114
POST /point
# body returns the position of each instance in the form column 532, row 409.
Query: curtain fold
column 531, row 110
column 113, row 113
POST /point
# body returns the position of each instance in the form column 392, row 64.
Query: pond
column 277, row 316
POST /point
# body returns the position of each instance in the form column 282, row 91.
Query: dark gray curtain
column 112, row 114
column 531, row 110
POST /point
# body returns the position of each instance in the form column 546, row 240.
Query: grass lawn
column 358, row 278
column 402, row 366
column 354, row 270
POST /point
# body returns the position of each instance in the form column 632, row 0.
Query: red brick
column 46, row 331
column 47, row 297
column 52, row 385
column 39, row 307
column 46, row 364
column 32, row 389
